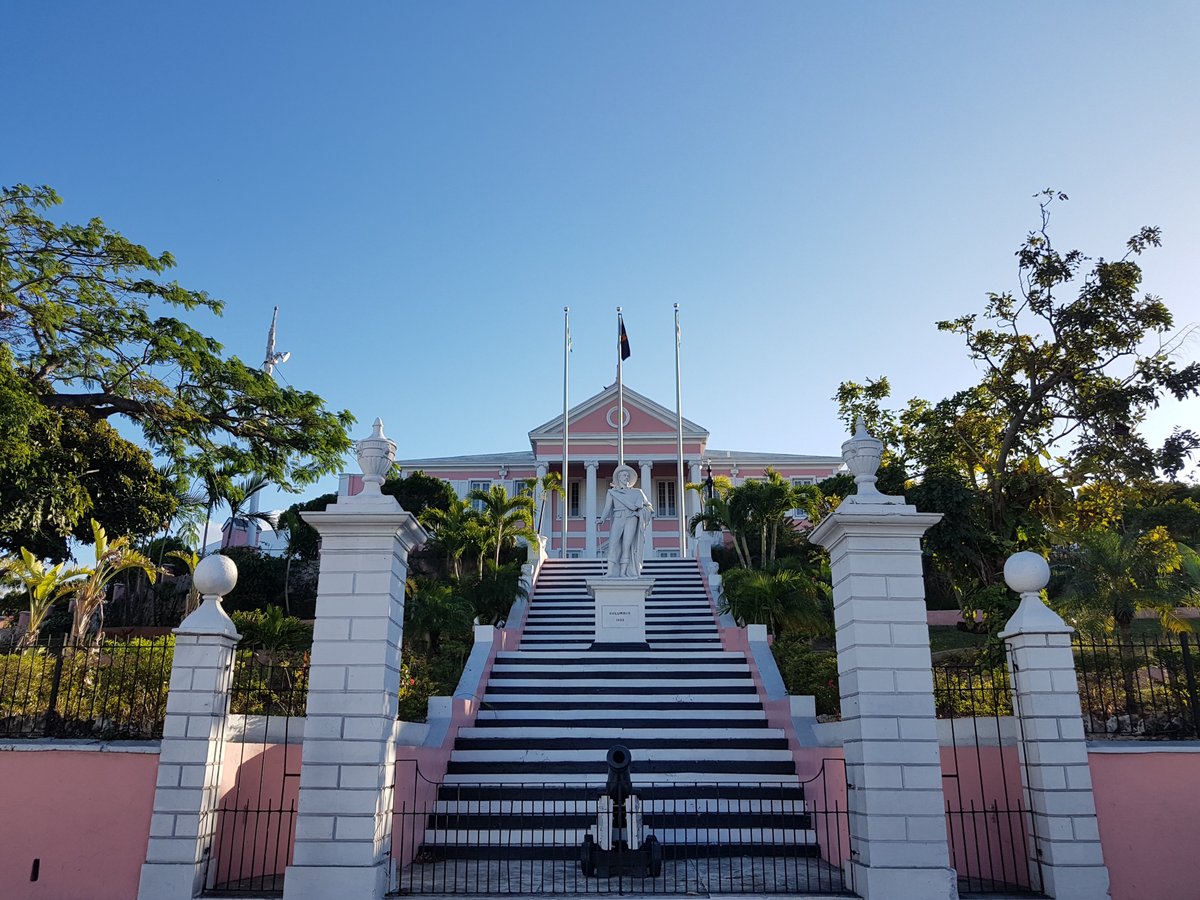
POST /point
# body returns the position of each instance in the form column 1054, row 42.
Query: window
column 668, row 554
column 477, row 486
column 522, row 486
column 665, row 506
column 573, row 508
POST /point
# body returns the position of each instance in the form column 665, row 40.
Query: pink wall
column 1149, row 823
column 85, row 814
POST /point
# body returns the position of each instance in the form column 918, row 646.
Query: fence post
column 344, row 826
column 898, row 843
column 1064, row 839
column 53, row 719
column 193, row 743
column 1189, row 679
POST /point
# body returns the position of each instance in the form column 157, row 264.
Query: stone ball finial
column 375, row 457
column 215, row 575
column 1026, row 572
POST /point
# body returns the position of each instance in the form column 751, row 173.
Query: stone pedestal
column 1064, row 842
column 897, row 810
column 193, row 744
column 620, row 610
column 344, row 822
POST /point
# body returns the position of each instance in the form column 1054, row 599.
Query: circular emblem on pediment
column 612, row 417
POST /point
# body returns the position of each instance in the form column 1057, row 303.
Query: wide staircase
column 714, row 780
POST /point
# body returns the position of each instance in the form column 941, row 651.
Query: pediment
column 596, row 415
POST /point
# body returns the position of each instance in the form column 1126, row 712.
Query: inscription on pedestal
column 620, row 609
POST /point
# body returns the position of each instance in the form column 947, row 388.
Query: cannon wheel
column 654, row 855
column 587, row 857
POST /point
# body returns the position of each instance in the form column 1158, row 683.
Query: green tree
column 77, row 308
column 58, row 467
column 110, row 559
column 504, row 517
column 1071, row 362
column 417, row 492
column 1074, row 376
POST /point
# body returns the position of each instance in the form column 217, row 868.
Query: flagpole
column 565, row 496
column 620, row 396
column 679, row 505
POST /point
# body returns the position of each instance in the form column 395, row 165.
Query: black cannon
column 617, row 842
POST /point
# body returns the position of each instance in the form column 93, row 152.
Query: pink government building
column 650, row 447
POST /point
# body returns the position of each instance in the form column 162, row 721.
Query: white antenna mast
column 272, row 358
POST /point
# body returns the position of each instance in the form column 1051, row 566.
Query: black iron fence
column 1138, row 687
column 496, row 839
column 987, row 820
column 108, row 690
column 253, row 828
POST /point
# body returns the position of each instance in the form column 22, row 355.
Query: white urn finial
column 863, row 454
column 214, row 577
column 375, row 457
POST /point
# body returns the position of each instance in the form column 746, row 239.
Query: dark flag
column 623, row 339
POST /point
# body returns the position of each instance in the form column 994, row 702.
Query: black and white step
column 711, row 773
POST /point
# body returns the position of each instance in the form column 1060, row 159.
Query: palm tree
column 455, row 531
column 780, row 598
column 503, row 516
column 238, row 497
column 189, row 509
column 433, row 608
column 552, row 485
column 190, row 559
column 716, row 515
column 1108, row 576
column 43, row 585
column 763, row 506
column 111, row 558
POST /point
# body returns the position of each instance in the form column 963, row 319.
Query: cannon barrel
column 619, row 785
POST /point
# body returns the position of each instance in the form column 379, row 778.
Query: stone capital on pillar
column 183, row 824
column 1064, row 842
column 893, row 761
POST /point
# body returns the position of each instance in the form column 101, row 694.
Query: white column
column 647, row 484
column 893, row 764
column 693, row 505
column 344, row 824
column 1065, row 836
column 539, row 498
column 193, row 744
column 589, row 509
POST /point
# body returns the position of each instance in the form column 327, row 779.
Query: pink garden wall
column 84, row 814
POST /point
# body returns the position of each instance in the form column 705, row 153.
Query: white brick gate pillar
column 898, row 840
column 344, row 824
column 193, row 743
column 1065, row 837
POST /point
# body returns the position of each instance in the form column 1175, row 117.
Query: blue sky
column 421, row 188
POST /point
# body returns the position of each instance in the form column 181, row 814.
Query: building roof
column 470, row 461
